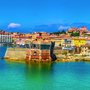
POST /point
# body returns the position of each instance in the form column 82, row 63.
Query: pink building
column 83, row 28
column 21, row 40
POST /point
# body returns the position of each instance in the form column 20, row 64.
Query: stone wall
column 58, row 50
column 16, row 53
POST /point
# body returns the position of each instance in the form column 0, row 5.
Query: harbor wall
column 15, row 53
column 58, row 50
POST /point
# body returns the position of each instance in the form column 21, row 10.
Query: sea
column 24, row 75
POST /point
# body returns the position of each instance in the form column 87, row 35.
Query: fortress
column 36, row 50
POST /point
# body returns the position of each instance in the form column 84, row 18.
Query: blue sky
column 43, row 15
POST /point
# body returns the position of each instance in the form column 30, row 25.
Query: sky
column 43, row 15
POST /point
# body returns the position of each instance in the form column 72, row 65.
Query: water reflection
column 39, row 74
column 48, row 75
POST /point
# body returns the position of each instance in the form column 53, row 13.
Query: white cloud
column 61, row 27
column 13, row 25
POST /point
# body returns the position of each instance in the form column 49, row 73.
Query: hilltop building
column 81, row 30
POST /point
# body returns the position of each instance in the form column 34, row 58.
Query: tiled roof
column 85, row 45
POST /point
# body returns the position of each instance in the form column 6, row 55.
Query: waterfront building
column 5, row 37
column 40, row 50
column 78, row 42
column 21, row 40
column 85, row 49
column 58, row 42
column 67, row 42
column 14, row 38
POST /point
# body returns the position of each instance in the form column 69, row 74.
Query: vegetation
column 56, row 53
column 1, row 30
column 65, row 53
column 57, row 33
column 75, row 34
column 84, row 55
column 61, row 58
column 70, row 32
column 84, row 32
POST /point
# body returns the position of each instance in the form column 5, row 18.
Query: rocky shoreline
column 57, row 60
column 72, row 59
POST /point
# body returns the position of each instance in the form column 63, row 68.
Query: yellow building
column 58, row 42
column 64, row 42
column 28, row 34
column 79, row 42
column 33, row 35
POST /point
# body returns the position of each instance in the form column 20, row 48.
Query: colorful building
column 67, row 42
column 58, row 42
column 63, row 42
column 14, row 38
column 79, row 42
column 85, row 49
column 21, row 40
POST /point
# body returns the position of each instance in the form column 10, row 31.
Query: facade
column 57, row 42
column 79, row 42
column 21, row 40
column 85, row 49
column 40, row 50
column 83, row 28
column 5, row 38
column 67, row 42
column 63, row 42
column 14, row 38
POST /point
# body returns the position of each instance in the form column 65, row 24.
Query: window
column 45, row 46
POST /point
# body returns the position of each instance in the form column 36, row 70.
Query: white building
column 5, row 38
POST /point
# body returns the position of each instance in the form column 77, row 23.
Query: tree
column 63, row 32
column 1, row 30
column 74, row 34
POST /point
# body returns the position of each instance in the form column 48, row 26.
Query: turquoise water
column 43, row 76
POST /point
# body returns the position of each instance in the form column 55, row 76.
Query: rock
column 2, row 57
